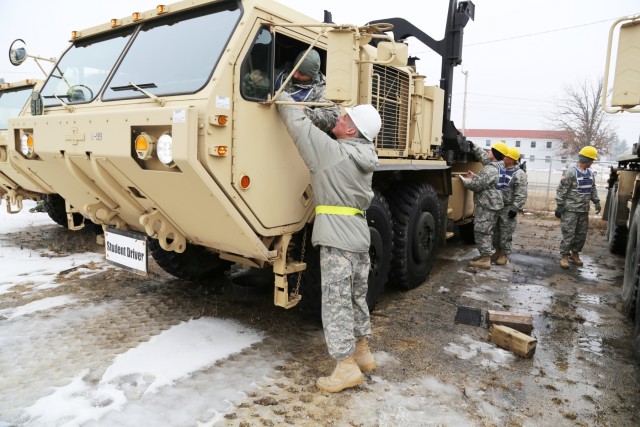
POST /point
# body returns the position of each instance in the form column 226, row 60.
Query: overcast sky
column 519, row 55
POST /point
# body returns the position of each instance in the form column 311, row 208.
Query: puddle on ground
column 589, row 299
column 533, row 298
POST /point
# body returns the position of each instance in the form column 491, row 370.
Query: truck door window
column 256, row 69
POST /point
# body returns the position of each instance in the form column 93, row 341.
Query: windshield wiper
column 131, row 86
column 140, row 87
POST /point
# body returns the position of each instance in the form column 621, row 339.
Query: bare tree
column 582, row 120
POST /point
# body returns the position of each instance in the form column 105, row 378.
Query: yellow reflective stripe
column 338, row 210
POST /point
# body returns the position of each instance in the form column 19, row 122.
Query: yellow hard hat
column 589, row 152
column 501, row 147
column 513, row 153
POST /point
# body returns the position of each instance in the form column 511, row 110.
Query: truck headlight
column 26, row 145
column 164, row 149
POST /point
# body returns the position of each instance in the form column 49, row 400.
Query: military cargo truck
column 621, row 213
column 148, row 128
column 16, row 186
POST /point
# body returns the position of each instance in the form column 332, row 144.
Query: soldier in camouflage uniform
column 512, row 183
column 576, row 190
column 487, row 199
column 308, row 84
column 341, row 174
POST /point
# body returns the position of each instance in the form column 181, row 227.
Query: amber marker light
column 161, row 8
column 245, row 182
column 222, row 120
column 135, row 16
column 74, row 35
column 144, row 144
column 115, row 23
column 222, row 150
column 27, row 145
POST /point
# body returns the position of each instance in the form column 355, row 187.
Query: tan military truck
column 148, row 127
column 16, row 186
column 623, row 70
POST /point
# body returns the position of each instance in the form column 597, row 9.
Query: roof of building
column 515, row 133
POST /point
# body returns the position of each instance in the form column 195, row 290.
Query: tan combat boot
column 496, row 255
column 575, row 258
column 502, row 259
column 363, row 356
column 564, row 262
column 482, row 262
column 347, row 374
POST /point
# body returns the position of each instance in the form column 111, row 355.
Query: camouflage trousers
column 574, row 227
column 345, row 315
column 483, row 225
column 503, row 231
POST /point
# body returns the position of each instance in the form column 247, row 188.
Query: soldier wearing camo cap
column 341, row 175
column 308, row 84
column 512, row 183
column 577, row 189
column 487, row 199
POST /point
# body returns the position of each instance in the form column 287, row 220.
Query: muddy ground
column 432, row 370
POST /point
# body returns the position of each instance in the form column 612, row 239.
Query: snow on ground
column 186, row 374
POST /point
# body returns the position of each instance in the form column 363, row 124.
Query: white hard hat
column 367, row 120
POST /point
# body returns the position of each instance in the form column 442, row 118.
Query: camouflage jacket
column 484, row 189
column 567, row 196
column 323, row 117
column 516, row 194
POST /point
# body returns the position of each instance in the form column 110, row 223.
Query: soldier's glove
column 597, row 204
column 512, row 214
column 559, row 212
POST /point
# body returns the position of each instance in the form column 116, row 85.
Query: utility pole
column 464, row 103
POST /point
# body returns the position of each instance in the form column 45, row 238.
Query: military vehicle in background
column 14, row 185
column 147, row 127
column 621, row 213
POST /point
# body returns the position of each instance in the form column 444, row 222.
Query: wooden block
column 512, row 340
column 519, row 322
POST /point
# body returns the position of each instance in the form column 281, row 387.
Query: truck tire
column 616, row 234
column 631, row 264
column 55, row 207
column 417, row 227
column 380, row 251
column 636, row 329
column 196, row 263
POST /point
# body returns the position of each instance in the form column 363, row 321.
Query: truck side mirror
column 17, row 52
column 342, row 66
column 626, row 86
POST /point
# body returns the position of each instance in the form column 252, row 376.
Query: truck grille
column 390, row 94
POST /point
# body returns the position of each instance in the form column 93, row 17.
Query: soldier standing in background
column 576, row 190
column 512, row 183
column 487, row 199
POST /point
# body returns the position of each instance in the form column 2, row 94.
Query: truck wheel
column 417, row 227
column 616, row 234
column 55, row 207
column 636, row 329
column 194, row 264
column 381, row 228
column 631, row 264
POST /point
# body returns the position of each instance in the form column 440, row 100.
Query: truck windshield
column 12, row 103
column 176, row 55
column 81, row 72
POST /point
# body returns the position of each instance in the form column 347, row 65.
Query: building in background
column 537, row 147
